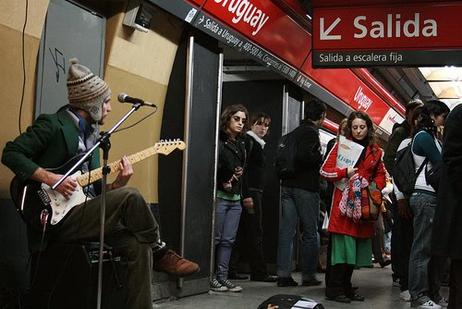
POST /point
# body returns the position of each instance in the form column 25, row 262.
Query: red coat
column 370, row 167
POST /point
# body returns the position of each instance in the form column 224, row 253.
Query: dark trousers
column 338, row 276
column 130, row 226
column 401, row 243
column 378, row 240
column 250, row 238
column 455, row 285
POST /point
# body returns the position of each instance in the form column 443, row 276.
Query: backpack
column 285, row 156
column 404, row 174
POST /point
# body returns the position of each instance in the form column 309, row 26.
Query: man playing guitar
column 51, row 141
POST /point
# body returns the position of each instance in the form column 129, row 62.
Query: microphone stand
column 105, row 145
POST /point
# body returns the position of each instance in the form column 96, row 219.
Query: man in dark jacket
column 447, row 227
column 54, row 139
column 300, row 200
column 402, row 233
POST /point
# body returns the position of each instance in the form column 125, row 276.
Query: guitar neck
column 97, row 174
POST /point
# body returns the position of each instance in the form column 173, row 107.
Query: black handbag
column 433, row 175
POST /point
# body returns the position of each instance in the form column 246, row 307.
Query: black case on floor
column 284, row 301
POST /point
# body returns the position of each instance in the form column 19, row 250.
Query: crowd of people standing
column 418, row 263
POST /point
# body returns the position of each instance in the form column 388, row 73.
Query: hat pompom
column 73, row 61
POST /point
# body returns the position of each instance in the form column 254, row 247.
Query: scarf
column 350, row 204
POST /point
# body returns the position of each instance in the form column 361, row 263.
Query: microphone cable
column 132, row 125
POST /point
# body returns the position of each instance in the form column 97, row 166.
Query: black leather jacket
column 231, row 155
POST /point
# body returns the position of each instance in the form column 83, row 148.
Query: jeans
column 424, row 270
column 227, row 216
column 303, row 205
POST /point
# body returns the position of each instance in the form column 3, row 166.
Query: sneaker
column 230, row 286
column 217, row 286
column 405, row 296
column 173, row 264
column 396, row 282
column 425, row 304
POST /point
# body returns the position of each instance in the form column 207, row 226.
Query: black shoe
column 266, row 278
column 340, row 299
column 311, row 282
column 236, row 276
column 356, row 297
column 385, row 263
column 286, row 281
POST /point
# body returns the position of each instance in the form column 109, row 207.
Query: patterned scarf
column 350, row 204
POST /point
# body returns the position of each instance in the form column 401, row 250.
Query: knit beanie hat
column 85, row 90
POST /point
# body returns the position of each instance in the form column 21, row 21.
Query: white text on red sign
column 392, row 27
column 245, row 11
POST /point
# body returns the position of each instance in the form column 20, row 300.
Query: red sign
column 265, row 23
column 344, row 84
column 324, row 3
column 397, row 26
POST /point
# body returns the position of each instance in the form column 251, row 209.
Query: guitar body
column 39, row 204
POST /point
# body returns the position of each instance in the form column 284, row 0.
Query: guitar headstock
column 165, row 147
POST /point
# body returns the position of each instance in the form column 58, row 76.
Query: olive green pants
column 130, row 227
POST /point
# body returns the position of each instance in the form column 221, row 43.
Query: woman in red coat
column 350, row 236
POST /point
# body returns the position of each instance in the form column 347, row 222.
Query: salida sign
column 378, row 35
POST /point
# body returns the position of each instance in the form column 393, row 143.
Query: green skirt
column 349, row 250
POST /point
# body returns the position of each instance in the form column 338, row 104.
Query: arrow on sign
column 325, row 34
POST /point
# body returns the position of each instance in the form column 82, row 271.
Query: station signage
column 398, row 34
column 272, row 38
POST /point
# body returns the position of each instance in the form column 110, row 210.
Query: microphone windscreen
column 121, row 97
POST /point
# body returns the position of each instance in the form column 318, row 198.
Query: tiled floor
column 373, row 283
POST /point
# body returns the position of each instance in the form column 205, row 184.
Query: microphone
column 125, row 98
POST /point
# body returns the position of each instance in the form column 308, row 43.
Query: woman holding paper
column 353, row 163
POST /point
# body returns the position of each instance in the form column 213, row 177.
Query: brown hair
column 370, row 138
column 260, row 118
column 229, row 111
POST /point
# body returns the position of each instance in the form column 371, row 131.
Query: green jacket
column 48, row 143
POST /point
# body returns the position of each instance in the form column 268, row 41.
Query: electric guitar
column 39, row 204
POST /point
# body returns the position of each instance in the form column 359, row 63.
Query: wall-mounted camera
column 138, row 15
